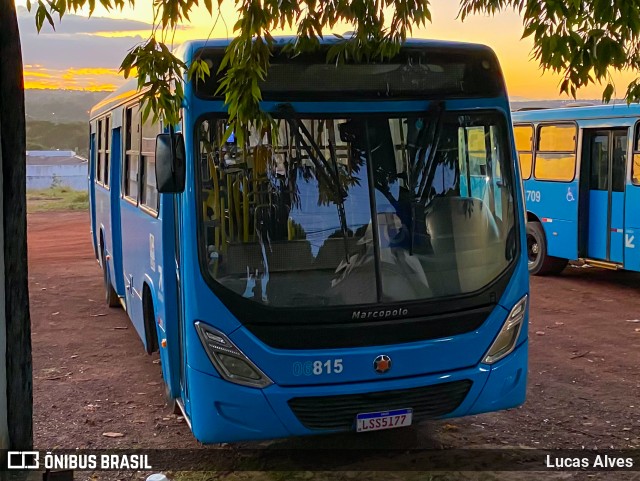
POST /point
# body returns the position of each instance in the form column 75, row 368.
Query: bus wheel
column 149, row 313
column 539, row 262
column 110, row 294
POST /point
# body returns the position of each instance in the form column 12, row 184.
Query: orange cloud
column 95, row 79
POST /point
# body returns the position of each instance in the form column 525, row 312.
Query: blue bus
column 358, row 266
column 581, row 171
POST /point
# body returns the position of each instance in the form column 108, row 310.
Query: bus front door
column 607, row 151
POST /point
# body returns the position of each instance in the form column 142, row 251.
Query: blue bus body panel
column 411, row 359
column 557, row 209
column 600, row 115
column 506, row 385
column 116, row 233
column 222, row 411
column 198, row 109
column 91, row 190
column 143, row 234
column 106, row 216
column 134, row 246
column 598, row 230
column 617, row 227
column 103, row 217
column 632, row 228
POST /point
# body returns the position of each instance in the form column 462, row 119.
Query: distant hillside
column 61, row 105
column 58, row 119
column 43, row 135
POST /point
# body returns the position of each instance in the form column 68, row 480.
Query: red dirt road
column 91, row 375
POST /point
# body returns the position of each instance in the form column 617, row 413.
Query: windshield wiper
column 328, row 171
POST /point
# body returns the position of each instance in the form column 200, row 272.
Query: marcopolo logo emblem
column 23, row 460
column 382, row 364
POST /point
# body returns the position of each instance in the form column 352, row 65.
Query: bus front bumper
column 226, row 412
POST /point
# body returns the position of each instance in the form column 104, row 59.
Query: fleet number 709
column 533, row 196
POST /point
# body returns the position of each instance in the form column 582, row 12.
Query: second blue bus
column 581, row 171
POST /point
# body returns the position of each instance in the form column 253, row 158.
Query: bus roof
column 192, row 46
column 577, row 113
column 187, row 50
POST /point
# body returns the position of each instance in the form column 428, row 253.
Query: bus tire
column 149, row 313
column 110, row 294
column 540, row 263
column 151, row 334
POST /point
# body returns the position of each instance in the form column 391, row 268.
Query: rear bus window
column 556, row 154
column 524, row 145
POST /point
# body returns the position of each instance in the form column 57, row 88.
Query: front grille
column 339, row 412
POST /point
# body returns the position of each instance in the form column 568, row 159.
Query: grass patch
column 56, row 198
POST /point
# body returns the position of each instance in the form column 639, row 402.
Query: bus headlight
column 229, row 361
column 508, row 335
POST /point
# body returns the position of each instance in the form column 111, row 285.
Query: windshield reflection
column 358, row 210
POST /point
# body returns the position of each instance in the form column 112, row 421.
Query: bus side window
column 477, row 151
column 635, row 168
column 99, row 151
column 132, row 152
column 472, row 158
column 106, row 151
column 556, row 153
column 149, row 190
column 93, row 155
column 524, row 145
column 499, row 191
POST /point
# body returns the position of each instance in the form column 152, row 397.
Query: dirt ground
column 91, row 375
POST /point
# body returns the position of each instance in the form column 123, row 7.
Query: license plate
column 383, row 420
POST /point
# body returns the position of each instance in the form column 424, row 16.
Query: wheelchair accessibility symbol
column 570, row 197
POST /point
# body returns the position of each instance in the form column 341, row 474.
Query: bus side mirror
column 170, row 163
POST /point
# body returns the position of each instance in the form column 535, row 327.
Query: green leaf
column 608, row 93
column 39, row 18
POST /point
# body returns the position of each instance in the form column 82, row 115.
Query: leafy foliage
column 379, row 28
column 580, row 39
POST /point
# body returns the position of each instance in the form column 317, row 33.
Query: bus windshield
column 351, row 210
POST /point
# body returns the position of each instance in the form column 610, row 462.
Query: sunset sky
column 85, row 54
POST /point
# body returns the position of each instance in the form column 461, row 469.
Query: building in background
column 56, row 168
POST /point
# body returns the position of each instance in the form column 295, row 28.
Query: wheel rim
column 533, row 250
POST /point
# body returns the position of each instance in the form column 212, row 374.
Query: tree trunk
column 18, row 368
